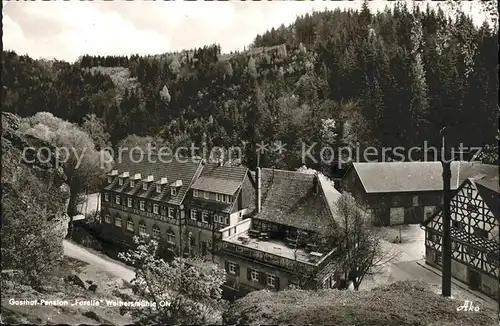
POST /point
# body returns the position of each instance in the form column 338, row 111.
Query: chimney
column 258, row 194
column 315, row 183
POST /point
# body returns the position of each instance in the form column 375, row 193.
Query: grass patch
column 398, row 304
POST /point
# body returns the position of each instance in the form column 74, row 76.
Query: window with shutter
column 277, row 283
column 255, row 275
column 271, row 280
column 262, row 278
column 232, row 268
column 249, row 274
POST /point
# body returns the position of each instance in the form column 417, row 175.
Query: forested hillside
column 396, row 77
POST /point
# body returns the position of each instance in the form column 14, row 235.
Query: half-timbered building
column 474, row 218
column 404, row 192
column 264, row 229
column 182, row 202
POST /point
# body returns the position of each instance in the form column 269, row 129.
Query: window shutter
column 277, row 283
column 227, row 266
column 198, row 215
column 249, row 273
column 237, row 270
column 262, row 278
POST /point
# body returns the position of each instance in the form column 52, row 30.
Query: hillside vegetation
column 398, row 304
column 397, row 77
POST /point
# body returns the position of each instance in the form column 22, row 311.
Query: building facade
column 397, row 193
column 280, row 244
column 474, row 217
column 147, row 198
column 265, row 229
column 220, row 197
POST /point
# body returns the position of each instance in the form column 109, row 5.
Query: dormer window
column 146, row 181
column 174, row 187
column 121, row 177
column 111, row 175
column 133, row 179
column 224, row 198
column 159, row 184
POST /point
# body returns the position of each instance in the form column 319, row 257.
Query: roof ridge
column 195, row 176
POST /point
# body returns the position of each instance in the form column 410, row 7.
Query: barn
column 397, row 193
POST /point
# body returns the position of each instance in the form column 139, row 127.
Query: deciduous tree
column 83, row 165
column 185, row 291
column 361, row 250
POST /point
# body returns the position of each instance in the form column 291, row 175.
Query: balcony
column 150, row 215
column 204, row 225
column 275, row 253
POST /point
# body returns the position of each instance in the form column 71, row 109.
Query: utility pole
column 446, row 249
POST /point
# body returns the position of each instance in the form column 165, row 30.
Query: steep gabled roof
column 173, row 169
column 288, row 198
column 386, row 177
column 220, row 179
column 488, row 188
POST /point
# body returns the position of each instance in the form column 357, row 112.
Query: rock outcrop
column 34, row 195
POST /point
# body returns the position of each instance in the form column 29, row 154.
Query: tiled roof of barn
column 186, row 170
column 288, row 198
column 220, row 179
column 384, row 177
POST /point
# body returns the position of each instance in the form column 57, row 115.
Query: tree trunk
column 72, row 211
